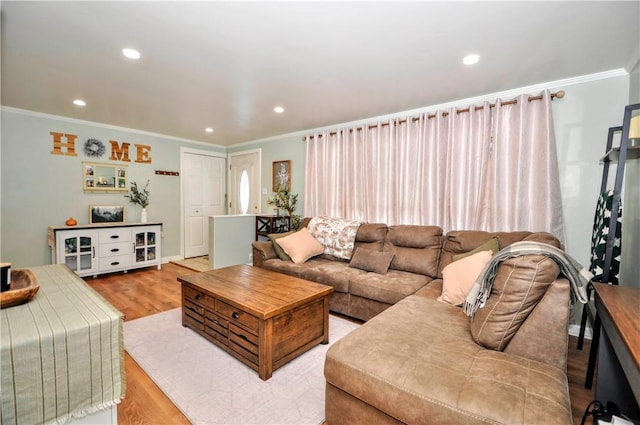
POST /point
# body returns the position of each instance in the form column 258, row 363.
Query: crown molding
column 107, row 126
column 461, row 102
column 532, row 89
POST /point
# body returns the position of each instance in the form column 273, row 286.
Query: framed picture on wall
column 106, row 214
column 281, row 172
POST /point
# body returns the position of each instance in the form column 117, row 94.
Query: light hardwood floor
column 149, row 291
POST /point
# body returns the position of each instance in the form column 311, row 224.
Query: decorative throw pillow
column 371, row 261
column 491, row 245
column 458, row 277
column 279, row 251
column 300, row 246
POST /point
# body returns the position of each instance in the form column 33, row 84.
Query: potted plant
column 139, row 197
column 287, row 201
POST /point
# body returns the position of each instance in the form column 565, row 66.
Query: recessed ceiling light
column 278, row 109
column 131, row 53
column 209, row 130
column 471, row 59
column 79, row 102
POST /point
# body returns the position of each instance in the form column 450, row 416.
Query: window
column 244, row 192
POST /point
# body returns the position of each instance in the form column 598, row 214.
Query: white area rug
column 211, row 387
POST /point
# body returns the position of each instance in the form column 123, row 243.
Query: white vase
column 143, row 215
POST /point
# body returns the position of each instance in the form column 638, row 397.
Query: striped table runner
column 61, row 354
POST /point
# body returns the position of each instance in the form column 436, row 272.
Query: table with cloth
column 61, row 354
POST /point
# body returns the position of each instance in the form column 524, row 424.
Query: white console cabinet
column 95, row 249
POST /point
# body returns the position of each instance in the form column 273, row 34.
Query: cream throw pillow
column 300, row 246
column 458, row 277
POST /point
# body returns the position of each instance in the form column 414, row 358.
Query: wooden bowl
column 24, row 287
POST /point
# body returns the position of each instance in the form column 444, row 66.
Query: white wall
column 230, row 238
column 582, row 120
column 629, row 264
column 40, row 189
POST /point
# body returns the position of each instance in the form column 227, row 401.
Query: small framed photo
column 281, row 175
column 106, row 214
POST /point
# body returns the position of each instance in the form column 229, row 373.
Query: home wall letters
column 119, row 152
column 58, row 144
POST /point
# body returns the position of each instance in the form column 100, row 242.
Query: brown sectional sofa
column 358, row 293
column 421, row 361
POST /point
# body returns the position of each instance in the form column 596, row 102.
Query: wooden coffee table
column 261, row 317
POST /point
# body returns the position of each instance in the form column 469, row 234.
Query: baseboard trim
column 574, row 330
column 172, row 258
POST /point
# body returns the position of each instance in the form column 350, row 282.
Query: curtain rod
column 559, row 94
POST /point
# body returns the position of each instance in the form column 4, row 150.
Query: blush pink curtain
column 388, row 173
column 483, row 169
column 467, row 161
column 523, row 189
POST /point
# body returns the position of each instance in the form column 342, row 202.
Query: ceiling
column 226, row 65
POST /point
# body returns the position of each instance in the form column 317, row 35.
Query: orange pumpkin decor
column 71, row 221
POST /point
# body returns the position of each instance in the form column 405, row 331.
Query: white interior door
column 244, row 182
column 203, row 177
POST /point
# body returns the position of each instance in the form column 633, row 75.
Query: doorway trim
column 185, row 150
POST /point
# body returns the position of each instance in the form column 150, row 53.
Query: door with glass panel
column 244, row 182
column 145, row 246
column 77, row 249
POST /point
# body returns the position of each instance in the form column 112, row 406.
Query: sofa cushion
column 262, row 251
column 417, row 363
column 389, row 288
column 300, row 246
column 462, row 241
column 519, row 284
column 371, row 236
column 416, row 248
column 491, row 245
column 431, row 290
column 333, row 273
column 459, row 277
column 279, row 251
column 371, row 261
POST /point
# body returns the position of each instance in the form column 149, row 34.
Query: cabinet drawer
column 193, row 294
column 114, row 235
column 215, row 336
column 117, row 248
column 115, row 262
column 191, row 322
column 216, row 323
column 193, row 310
column 252, row 357
column 236, row 315
column 249, row 340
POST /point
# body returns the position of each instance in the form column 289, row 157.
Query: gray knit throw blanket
column 577, row 275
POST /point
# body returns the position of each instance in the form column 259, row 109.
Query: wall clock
column 94, row 148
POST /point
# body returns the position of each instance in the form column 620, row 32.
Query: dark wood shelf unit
column 267, row 224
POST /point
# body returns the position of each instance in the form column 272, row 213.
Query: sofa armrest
column 262, row 251
column 544, row 335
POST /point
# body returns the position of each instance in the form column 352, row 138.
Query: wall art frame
column 104, row 177
column 281, row 175
column 100, row 214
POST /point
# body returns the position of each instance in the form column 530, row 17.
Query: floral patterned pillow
column 337, row 235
